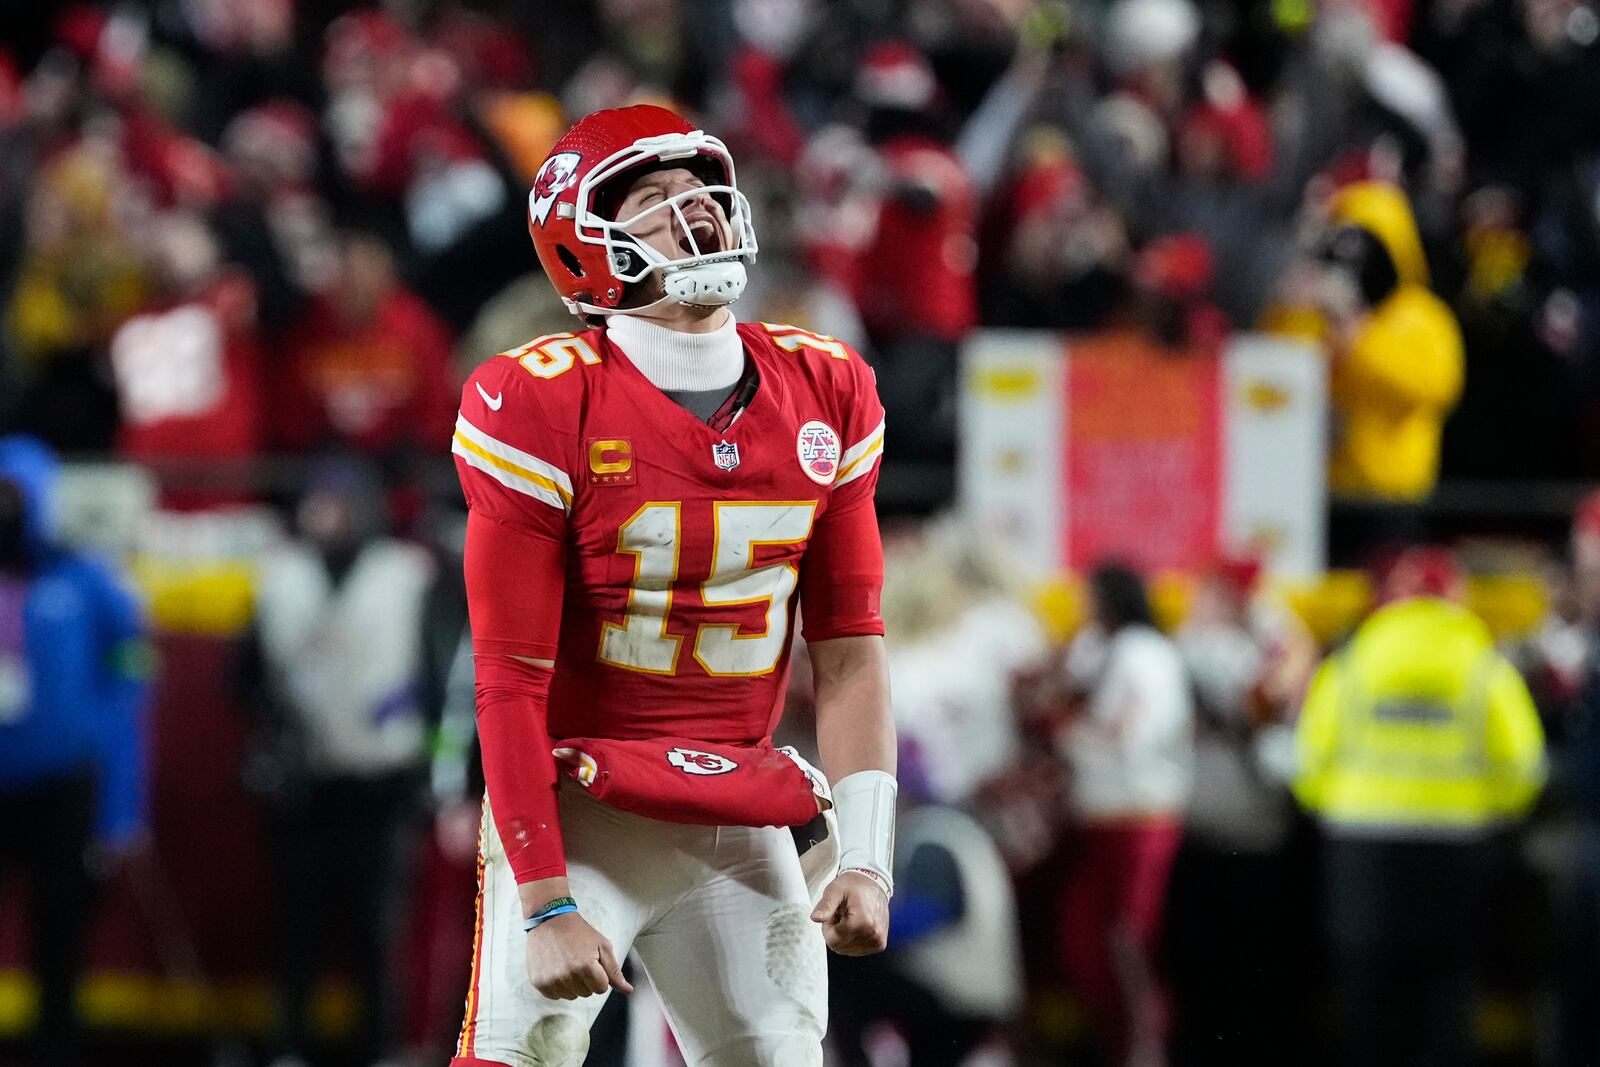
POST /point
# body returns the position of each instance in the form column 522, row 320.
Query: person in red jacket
column 368, row 363
column 917, row 275
column 188, row 370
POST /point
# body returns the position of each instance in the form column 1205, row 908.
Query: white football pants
column 718, row 916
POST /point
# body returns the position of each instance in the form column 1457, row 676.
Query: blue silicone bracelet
column 532, row 923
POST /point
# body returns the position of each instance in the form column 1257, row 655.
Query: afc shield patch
column 818, row 449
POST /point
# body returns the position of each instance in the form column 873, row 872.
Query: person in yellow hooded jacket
column 1396, row 363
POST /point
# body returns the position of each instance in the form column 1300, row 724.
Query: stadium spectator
column 368, row 364
column 1417, row 741
column 187, row 370
column 954, row 974
column 916, row 274
column 1058, row 254
column 1394, row 348
column 1233, row 934
column 915, row 283
column 73, row 669
column 333, row 672
column 962, row 634
column 1250, row 660
column 268, row 224
column 1580, row 1031
column 1129, row 754
column 78, row 278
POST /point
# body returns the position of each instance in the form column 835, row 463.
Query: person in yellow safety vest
column 1419, row 728
column 1416, row 741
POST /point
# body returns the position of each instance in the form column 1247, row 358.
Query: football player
column 650, row 500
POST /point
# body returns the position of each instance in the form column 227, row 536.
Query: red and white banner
column 1143, row 456
column 1109, row 448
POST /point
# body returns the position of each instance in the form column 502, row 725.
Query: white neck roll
column 675, row 361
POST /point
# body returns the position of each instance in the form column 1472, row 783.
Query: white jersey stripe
column 860, row 458
column 540, row 489
column 512, row 467
column 863, row 446
column 530, row 465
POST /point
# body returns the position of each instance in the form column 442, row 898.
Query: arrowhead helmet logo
column 691, row 761
column 554, row 178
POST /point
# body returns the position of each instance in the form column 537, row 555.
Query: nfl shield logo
column 726, row 453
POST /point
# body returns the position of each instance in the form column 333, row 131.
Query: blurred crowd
column 238, row 232
column 235, row 229
column 1227, row 840
column 1142, row 831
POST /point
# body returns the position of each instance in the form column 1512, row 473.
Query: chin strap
column 705, row 285
column 864, row 802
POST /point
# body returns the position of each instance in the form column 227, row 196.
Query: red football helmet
column 592, row 258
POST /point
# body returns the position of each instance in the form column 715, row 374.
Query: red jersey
column 375, row 384
column 189, row 384
column 686, row 546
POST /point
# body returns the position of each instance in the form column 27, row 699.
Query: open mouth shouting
column 704, row 235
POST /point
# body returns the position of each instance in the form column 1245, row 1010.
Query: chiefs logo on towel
column 692, row 762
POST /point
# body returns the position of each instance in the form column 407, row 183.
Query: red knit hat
column 1425, row 570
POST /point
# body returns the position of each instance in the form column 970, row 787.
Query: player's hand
column 568, row 959
column 854, row 913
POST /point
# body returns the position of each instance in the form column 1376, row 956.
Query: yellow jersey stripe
column 860, row 465
column 510, row 475
column 515, row 456
column 859, row 449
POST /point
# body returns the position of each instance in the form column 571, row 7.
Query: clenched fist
column 568, row 959
column 854, row 913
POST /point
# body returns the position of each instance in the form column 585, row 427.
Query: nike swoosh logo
column 495, row 401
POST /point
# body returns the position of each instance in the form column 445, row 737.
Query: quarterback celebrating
column 650, row 502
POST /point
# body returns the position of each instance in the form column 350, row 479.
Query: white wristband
column 864, row 804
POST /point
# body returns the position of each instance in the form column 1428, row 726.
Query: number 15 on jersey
column 653, row 536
